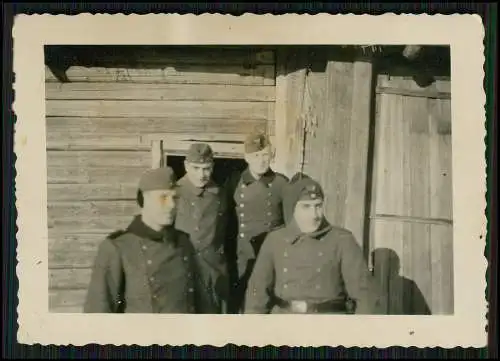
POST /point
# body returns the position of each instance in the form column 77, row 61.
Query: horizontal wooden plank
column 92, row 192
column 69, row 278
column 178, row 74
column 409, row 219
column 147, row 54
column 139, row 91
column 105, row 208
column 73, row 126
column 90, row 224
column 90, row 217
column 407, row 83
column 66, row 309
column 142, row 108
column 66, row 298
column 414, row 93
column 74, row 174
column 72, row 249
column 110, row 160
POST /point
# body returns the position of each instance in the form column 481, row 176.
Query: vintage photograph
column 250, row 180
column 247, row 179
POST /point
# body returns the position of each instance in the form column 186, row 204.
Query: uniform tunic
column 327, row 265
column 258, row 206
column 140, row 270
column 201, row 213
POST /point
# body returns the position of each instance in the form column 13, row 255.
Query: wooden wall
column 411, row 212
column 381, row 147
column 96, row 123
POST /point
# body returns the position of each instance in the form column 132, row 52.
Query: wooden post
column 157, row 154
column 359, row 139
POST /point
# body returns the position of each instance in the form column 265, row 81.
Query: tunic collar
column 294, row 234
column 186, row 184
column 139, row 228
column 267, row 178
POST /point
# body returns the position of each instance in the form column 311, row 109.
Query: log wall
column 98, row 113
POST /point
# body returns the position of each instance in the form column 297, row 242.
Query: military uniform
column 140, row 270
column 257, row 208
column 201, row 213
column 319, row 272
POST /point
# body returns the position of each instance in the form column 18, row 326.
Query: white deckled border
column 464, row 33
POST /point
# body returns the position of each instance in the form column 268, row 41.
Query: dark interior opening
column 222, row 169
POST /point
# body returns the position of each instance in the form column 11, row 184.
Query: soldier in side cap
column 255, row 201
column 309, row 266
column 150, row 266
column 202, row 214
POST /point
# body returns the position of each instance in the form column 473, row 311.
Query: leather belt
column 302, row 306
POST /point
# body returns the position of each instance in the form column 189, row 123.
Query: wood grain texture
column 110, row 160
column 90, row 217
column 67, row 299
column 69, row 278
column 359, row 138
column 92, row 192
column 177, row 74
column 73, row 174
column 143, row 108
column 95, row 127
column 71, row 249
column 407, row 83
column 139, row 91
column 335, row 138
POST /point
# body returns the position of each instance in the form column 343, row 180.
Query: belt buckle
column 299, row 306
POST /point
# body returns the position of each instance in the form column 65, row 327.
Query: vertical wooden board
column 440, row 159
column 314, row 137
column 418, row 147
column 420, row 271
column 336, row 137
column 358, row 149
column 387, row 260
column 442, row 269
column 67, row 298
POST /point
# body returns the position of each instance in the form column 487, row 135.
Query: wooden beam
column 157, row 154
column 359, row 142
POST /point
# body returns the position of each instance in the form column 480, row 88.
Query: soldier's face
column 309, row 214
column 160, row 206
column 199, row 173
column 259, row 162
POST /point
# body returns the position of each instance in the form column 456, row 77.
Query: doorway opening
column 223, row 167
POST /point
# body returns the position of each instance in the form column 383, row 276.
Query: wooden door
column 411, row 220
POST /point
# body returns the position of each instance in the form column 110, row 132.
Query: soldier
column 202, row 214
column 149, row 267
column 255, row 199
column 309, row 266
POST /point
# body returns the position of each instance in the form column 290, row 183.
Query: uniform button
column 242, row 214
column 242, row 235
column 242, row 195
column 320, row 254
column 285, row 286
column 144, row 247
column 185, row 258
column 197, row 229
column 189, row 275
column 149, row 261
column 285, row 269
column 269, row 194
column 151, row 279
column 192, row 203
column 155, row 297
column 242, row 225
column 269, row 214
column 242, row 205
column 318, row 270
column 268, row 203
column 191, row 290
column 243, row 186
column 285, row 254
